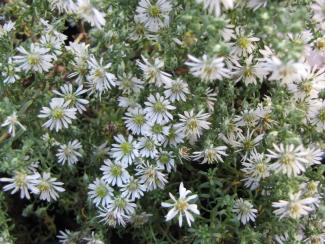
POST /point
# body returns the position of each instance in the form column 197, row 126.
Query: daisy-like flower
column 211, row 154
column 316, row 114
column 208, row 68
column 247, row 143
column 69, row 152
column 62, row 6
column 244, row 211
column 157, row 131
column 72, row 97
column 53, row 43
column 289, row 159
column 48, row 187
column 295, row 207
column 128, row 102
column 148, row 147
column 157, row 109
column 12, row 121
column 129, row 84
column 174, row 137
column 182, row 206
column 99, row 192
column 112, row 218
column 37, row 59
column 6, row 28
column 59, row 113
column 89, row 13
column 68, row 237
column 193, row 124
column 23, row 183
column 313, row 156
column 166, row 160
column 214, row 6
column 244, row 44
column 176, row 90
column 124, row 150
column 10, row 72
column 154, row 14
column 248, row 118
column 256, row 168
column 151, row 176
column 121, row 205
column 135, row 121
column 114, row 173
column 133, row 189
column 93, row 239
column 318, row 12
column 249, row 73
column 99, row 80
column 152, row 72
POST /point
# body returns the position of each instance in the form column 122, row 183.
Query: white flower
column 128, row 83
column 249, row 73
column 247, row 143
column 181, row 206
column 6, row 28
column 50, row 29
column 152, row 72
column 99, row 192
column 248, row 117
column 121, row 206
column 289, row 159
column 214, row 6
column 72, row 97
column 12, row 121
column 154, row 14
column 208, row 68
column 60, row 114
column 133, row 189
column 211, row 154
column 128, row 102
column 151, row 176
column 37, row 59
column 48, row 187
column 316, row 114
column 244, row 211
column 112, row 218
column 10, row 72
column 158, row 132
column 256, row 167
column 99, row 79
column 295, row 207
column 313, row 156
column 21, row 182
column 69, row 152
column 192, row 124
column 318, row 12
column 166, row 160
column 148, row 147
column 67, row 6
column 256, row 4
column 124, row 150
column 244, row 44
column 176, row 90
column 174, row 136
column 114, row 173
column 93, row 239
column 67, row 236
column 157, row 109
column 135, row 121
column 53, row 43
column 92, row 15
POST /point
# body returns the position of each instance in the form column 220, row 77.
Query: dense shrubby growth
column 170, row 121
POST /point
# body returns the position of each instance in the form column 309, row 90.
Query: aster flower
column 12, row 121
column 67, row 6
column 114, row 173
column 249, row 73
column 10, row 72
column 313, row 156
column 89, row 13
column 124, row 150
column 48, row 187
column 244, row 44
column 59, row 113
column 53, row 43
column 128, row 101
column 99, row 192
column 193, row 124
column 135, row 121
column 157, row 109
column 316, row 114
column 181, row 206
column 157, row 131
column 121, row 206
column 129, row 84
column 176, row 90
column 112, row 218
column 214, row 6
column 99, row 80
column 211, row 154
column 93, row 239
column 174, row 136
column 6, row 28
column 148, row 147
column 295, row 207
column 69, row 152
column 21, row 182
column 152, row 72
column 151, row 176
column 247, row 143
column 208, row 68
column 68, row 237
column 244, row 211
column 318, row 12
column 37, row 59
column 133, row 189
column 289, row 159
column 72, row 97
column 166, row 160
column 248, row 118
column 154, row 14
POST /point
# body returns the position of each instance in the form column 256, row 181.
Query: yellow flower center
column 101, row 191
column 44, row 186
column 181, row 205
column 154, row 11
column 288, row 159
column 126, row 148
column 20, row 179
column 243, row 42
column 116, row 170
column 33, row 59
column 57, row 113
column 159, row 107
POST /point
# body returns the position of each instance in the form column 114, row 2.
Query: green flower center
column 133, row 185
column 261, row 168
column 322, row 115
column 164, row 158
column 248, row 144
column 157, row 129
column 176, row 88
column 192, row 124
column 126, row 148
column 149, row 145
column 243, row 42
column 33, row 59
column 70, row 98
column 44, row 186
column 57, row 113
column 248, row 72
column 139, row 119
column 116, row 170
column 99, row 73
column 288, row 159
column 120, row 203
column 154, row 11
column 101, row 191
column 159, row 107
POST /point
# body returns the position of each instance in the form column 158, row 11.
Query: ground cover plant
column 162, row 121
